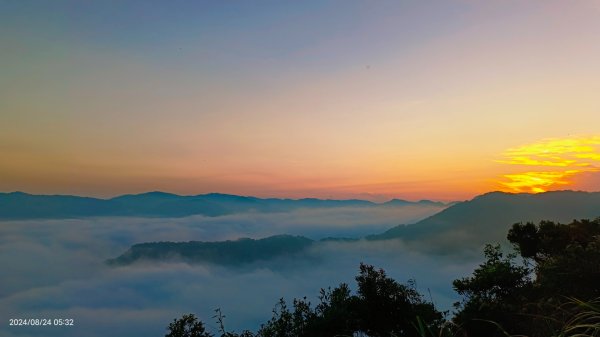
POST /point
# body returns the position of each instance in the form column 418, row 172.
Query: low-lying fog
column 55, row 269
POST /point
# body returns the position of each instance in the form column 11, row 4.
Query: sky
column 333, row 99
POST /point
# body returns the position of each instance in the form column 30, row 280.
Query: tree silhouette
column 386, row 307
column 561, row 262
column 381, row 307
column 187, row 326
column 494, row 292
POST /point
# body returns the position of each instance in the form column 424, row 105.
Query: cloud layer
column 54, row 269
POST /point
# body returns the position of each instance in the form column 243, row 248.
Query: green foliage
column 286, row 323
column 446, row 329
column 497, row 279
column 381, row 307
column 335, row 315
column 388, row 307
column 336, row 312
column 567, row 257
column 565, row 262
column 187, row 326
column 585, row 322
column 493, row 293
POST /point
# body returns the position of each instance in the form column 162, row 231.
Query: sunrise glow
column 438, row 161
column 564, row 157
column 403, row 100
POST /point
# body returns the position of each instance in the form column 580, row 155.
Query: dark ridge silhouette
column 19, row 205
column 487, row 217
column 400, row 202
column 234, row 253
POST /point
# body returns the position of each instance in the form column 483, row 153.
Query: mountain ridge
column 230, row 252
column 466, row 225
column 487, row 217
column 21, row 205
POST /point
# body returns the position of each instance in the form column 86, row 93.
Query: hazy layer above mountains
column 19, row 205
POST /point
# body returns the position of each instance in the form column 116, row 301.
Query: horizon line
column 279, row 198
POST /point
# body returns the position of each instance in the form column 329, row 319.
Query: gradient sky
column 337, row 99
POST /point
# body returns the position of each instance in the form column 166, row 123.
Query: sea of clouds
column 55, row 269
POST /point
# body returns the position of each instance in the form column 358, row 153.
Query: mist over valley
column 125, row 275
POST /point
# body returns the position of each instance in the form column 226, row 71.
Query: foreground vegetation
column 551, row 291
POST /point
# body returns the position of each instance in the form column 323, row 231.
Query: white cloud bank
column 55, row 269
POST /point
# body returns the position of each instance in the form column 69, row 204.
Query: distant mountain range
column 19, row 205
column 464, row 225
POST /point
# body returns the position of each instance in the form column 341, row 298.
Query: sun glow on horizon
column 558, row 161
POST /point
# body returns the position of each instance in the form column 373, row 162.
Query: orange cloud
column 567, row 157
column 537, row 182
